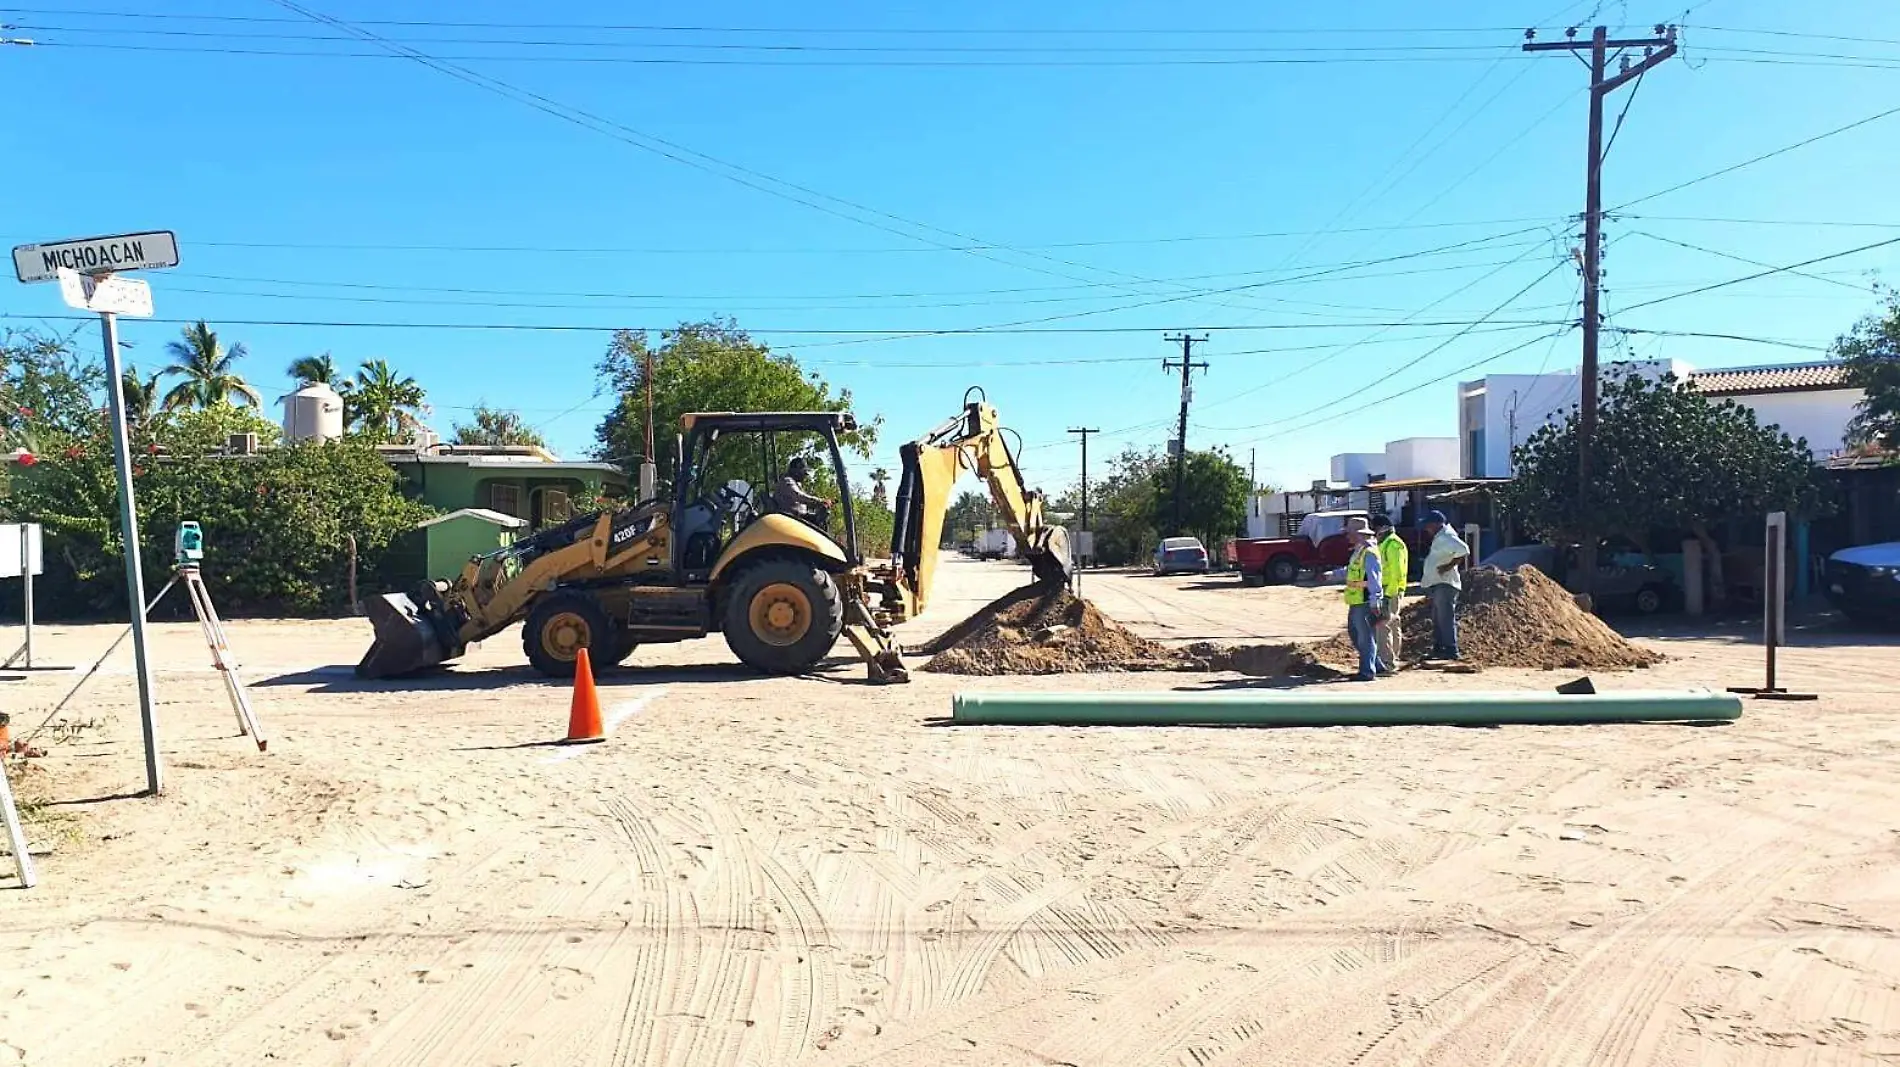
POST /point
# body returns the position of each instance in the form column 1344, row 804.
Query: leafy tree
column 382, row 405
column 46, row 390
column 276, row 524
column 1871, row 352
column 874, row 522
column 714, row 366
column 316, row 370
column 1666, row 458
column 141, row 397
column 1122, row 508
column 209, row 370
column 1213, row 497
column 492, row 426
column 970, row 513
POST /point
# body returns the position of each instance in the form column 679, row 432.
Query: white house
column 1501, row 411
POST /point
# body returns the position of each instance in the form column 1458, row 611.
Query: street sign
column 108, row 293
column 20, row 550
column 96, row 255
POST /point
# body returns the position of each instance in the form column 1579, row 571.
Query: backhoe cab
column 718, row 555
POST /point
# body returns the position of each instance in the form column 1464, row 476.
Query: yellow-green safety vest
column 1356, row 577
column 1395, row 561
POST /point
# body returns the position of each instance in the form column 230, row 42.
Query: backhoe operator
column 790, row 496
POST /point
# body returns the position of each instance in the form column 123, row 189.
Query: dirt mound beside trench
column 1037, row 630
column 1042, row 631
column 1515, row 618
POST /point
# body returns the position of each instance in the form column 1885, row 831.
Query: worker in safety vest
column 1365, row 597
column 1395, row 563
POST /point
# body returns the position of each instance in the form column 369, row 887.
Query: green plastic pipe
column 1333, row 707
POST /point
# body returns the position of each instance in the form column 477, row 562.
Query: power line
column 1752, row 262
column 709, row 61
column 1368, row 339
column 1762, row 274
column 1410, row 390
column 1732, row 168
column 625, row 250
column 698, row 160
column 1012, row 31
column 1013, row 49
column 582, row 328
column 1434, row 350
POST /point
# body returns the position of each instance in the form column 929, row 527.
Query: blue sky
column 1141, row 171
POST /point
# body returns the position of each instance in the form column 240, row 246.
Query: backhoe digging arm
column 974, row 440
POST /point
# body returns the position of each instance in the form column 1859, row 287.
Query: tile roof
column 1786, row 378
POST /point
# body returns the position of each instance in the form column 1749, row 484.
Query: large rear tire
column 559, row 627
column 783, row 615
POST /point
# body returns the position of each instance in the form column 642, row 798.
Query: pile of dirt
column 1517, row 618
column 1036, row 630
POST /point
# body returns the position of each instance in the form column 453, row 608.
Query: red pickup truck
column 1321, row 545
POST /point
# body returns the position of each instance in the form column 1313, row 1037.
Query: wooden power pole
column 1187, row 366
column 1655, row 50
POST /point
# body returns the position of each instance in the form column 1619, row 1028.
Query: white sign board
column 20, row 555
column 96, row 255
column 108, row 293
column 1081, row 545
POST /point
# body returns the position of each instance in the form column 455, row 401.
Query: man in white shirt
column 1442, row 582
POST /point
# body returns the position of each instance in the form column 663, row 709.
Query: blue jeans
column 1444, row 620
column 1359, row 628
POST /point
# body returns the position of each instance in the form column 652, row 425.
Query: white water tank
column 313, row 413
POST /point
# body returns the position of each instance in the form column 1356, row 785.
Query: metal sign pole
column 129, row 531
column 1773, row 610
column 26, row 602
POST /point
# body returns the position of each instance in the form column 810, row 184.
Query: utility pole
column 649, row 467
column 1187, row 366
column 1656, row 49
column 1084, row 431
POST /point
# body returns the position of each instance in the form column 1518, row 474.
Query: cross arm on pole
column 1637, row 71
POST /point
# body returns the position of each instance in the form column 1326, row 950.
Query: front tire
column 559, row 627
column 1649, row 600
column 782, row 616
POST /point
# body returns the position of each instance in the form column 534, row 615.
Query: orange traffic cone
column 583, row 717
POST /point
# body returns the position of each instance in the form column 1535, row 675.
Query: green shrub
column 276, row 524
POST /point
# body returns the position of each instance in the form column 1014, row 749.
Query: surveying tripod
column 186, row 572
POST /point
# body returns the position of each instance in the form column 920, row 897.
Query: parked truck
column 1320, row 545
column 995, row 544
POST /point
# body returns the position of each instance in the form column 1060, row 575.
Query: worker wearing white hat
column 1365, row 597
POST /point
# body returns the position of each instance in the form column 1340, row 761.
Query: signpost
column 96, row 255
column 86, row 270
column 21, row 557
column 1774, row 622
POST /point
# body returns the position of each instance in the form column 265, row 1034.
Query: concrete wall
column 1357, row 468
column 1421, row 457
column 1821, row 417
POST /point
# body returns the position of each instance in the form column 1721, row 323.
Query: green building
column 489, row 495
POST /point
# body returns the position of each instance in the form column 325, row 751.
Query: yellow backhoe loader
column 723, row 557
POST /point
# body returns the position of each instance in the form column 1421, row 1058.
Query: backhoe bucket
column 407, row 638
column 1049, row 561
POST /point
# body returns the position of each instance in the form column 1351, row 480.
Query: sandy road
column 763, row 872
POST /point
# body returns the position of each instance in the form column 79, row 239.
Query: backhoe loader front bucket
column 1049, row 560
column 410, row 637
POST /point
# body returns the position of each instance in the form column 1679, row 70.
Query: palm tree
column 208, row 370
column 878, row 478
column 382, row 405
column 141, row 397
column 314, row 370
